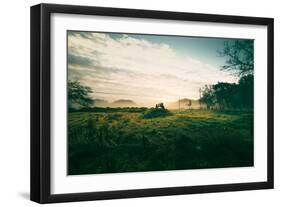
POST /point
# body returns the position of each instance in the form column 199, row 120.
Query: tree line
column 239, row 57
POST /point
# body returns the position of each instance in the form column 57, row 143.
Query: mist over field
column 141, row 102
column 123, row 103
column 144, row 68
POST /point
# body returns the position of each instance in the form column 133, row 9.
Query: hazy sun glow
column 138, row 68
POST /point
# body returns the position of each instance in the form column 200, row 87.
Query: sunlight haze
column 146, row 69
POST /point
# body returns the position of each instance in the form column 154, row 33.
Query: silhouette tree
column 246, row 91
column 78, row 95
column 225, row 94
column 208, row 96
column 230, row 95
column 239, row 56
column 240, row 59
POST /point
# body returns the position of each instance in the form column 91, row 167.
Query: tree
column 230, row 95
column 239, row 56
column 225, row 94
column 246, row 91
column 78, row 95
column 208, row 96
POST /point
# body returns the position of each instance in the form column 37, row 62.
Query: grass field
column 122, row 141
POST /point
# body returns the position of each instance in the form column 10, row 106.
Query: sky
column 147, row 69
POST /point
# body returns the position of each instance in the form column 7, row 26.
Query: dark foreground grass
column 111, row 142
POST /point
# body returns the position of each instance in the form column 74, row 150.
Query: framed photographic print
column 133, row 103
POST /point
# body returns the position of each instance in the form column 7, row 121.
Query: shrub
column 153, row 113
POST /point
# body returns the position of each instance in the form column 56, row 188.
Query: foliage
column 240, row 56
column 110, row 142
column 226, row 95
column 246, row 91
column 155, row 112
column 78, row 95
column 208, row 96
column 230, row 95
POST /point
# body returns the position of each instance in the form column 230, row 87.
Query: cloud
column 137, row 66
column 79, row 60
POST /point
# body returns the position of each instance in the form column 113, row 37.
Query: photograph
column 154, row 102
column 132, row 103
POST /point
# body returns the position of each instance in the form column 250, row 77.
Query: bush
column 153, row 113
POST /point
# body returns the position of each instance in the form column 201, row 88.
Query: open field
column 127, row 141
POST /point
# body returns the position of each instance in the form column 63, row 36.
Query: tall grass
column 109, row 142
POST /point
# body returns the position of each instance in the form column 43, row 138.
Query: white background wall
column 14, row 102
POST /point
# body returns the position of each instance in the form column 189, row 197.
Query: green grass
column 110, row 142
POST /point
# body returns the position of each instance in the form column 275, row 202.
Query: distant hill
column 118, row 103
column 183, row 104
column 123, row 103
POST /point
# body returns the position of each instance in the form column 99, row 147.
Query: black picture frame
column 41, row 95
